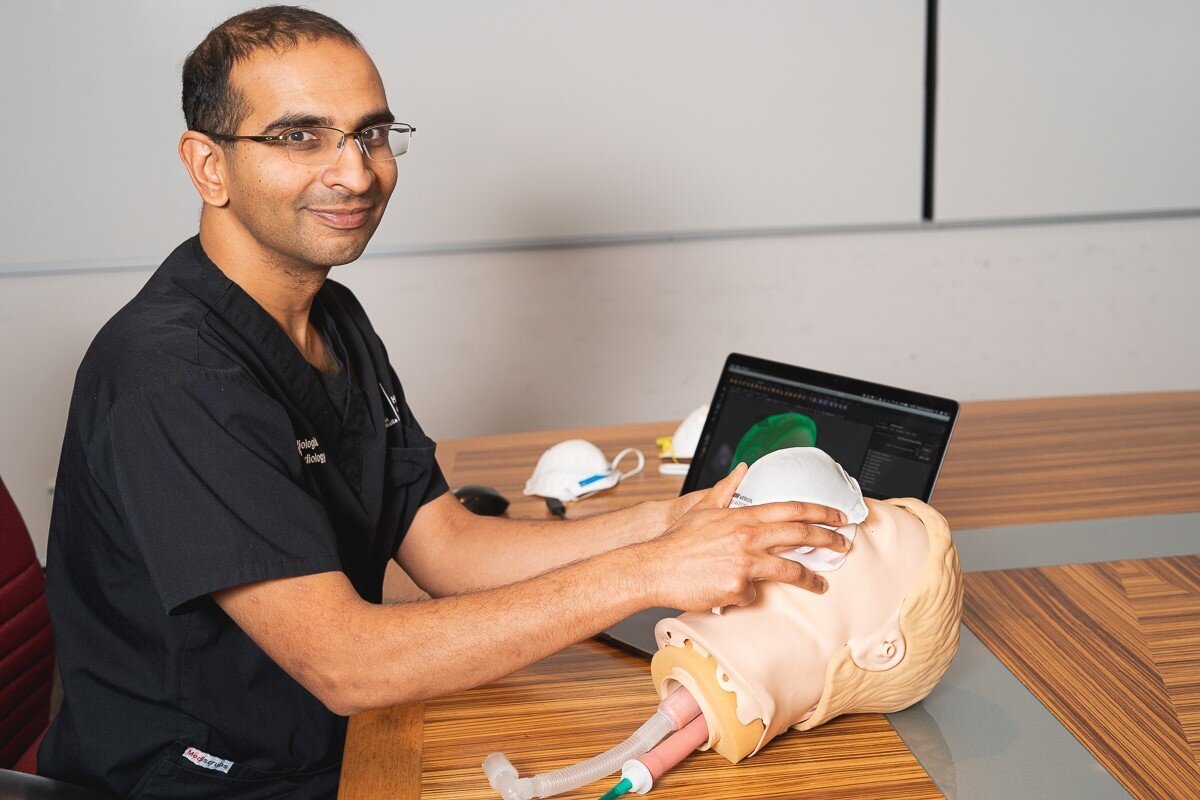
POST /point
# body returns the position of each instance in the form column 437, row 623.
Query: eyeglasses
column 314, row 145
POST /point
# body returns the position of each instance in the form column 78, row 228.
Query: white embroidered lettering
column 310, row 443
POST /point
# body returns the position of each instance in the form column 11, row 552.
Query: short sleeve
column 414, row 435
column 435, row 487
column 437, row 484
column 206, row 472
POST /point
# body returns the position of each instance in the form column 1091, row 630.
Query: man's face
column 306, row 216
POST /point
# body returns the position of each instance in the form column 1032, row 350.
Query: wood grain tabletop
column 1009, row 462
column 1113, row 650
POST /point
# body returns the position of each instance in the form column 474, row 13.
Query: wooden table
column 1010, row 462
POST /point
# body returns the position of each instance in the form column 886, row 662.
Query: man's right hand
column 713, row 554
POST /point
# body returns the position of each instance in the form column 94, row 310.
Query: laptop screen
column 891, row 440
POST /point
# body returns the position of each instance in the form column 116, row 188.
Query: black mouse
column 482, row 500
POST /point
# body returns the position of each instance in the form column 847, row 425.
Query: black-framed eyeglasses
column 314, row 144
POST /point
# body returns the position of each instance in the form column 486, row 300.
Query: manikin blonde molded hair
column 929, row 619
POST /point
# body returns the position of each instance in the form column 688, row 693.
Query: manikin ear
column 206, row 165
column 883, row 648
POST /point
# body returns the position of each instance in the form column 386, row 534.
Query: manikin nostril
column 888, row 649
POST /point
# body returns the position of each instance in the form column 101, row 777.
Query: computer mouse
column 482, row 500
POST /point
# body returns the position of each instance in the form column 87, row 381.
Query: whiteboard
column 1067, row 107
column 536, row 120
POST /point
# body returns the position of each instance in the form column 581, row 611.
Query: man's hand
column 712, row 555
column 679, row 506
column 656, row 517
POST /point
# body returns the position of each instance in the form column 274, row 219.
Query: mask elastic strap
column 641, row 462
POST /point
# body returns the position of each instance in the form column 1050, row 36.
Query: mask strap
column 641, row 462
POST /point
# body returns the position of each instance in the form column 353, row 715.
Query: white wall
column 496, row 342
column 1056, row 107
column 536, row 119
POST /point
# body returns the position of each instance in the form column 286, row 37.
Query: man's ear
column 205, row 163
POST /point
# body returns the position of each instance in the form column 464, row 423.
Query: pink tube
column 680, row 706
column 676, row 747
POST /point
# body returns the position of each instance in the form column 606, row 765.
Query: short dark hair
column 210, row 104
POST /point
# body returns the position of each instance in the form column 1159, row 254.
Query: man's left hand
column 672, row 510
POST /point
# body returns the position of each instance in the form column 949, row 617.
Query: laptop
column 892, row 441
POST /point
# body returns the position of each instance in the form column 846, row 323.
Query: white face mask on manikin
column 576, row 468
column 808, row 475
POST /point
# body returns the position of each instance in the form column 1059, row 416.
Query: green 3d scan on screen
column 774, row 433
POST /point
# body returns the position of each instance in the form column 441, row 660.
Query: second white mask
column 576, row 468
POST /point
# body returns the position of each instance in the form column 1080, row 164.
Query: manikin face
column 865, row 593
column 308, row 216
column 773, row 654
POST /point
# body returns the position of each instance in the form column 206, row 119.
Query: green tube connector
column 621, row 788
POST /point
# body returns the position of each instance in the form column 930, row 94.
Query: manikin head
column 877, row 641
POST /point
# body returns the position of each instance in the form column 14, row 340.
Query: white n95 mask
column 680, row 447
column 808, row 475
column 682, row 444
column 574, row 469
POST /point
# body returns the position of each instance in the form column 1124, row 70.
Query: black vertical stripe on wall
column 931, row 49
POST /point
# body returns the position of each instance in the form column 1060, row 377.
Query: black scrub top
column 202, row 452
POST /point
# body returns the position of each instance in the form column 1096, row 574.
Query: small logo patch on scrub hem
column 202, row 759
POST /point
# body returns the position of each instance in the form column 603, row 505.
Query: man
column 240, row 463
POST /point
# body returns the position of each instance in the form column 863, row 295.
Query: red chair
column 26, row 644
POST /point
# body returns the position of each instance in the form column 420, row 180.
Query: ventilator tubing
column 675, row 711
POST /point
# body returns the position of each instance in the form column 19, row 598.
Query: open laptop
column 893, row 441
